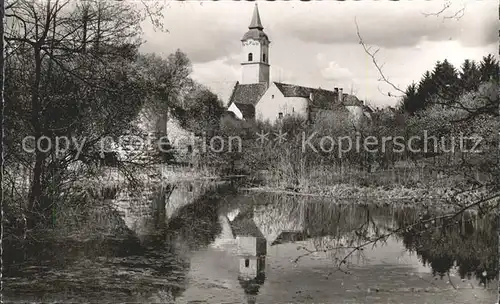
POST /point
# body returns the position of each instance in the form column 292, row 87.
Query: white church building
column 255, row 97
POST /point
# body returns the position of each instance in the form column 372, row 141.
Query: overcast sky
column 315, row 43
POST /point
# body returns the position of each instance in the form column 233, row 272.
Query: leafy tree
column 472, row 115
column 172, row 94
column 200, row 111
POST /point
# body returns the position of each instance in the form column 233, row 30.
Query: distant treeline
column 445, row 82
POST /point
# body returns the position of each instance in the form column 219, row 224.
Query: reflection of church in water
column 251, row 251
column 252, row 257
column 252, row 229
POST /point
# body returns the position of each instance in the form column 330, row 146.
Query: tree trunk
column 85, row 26
column 36, row 186
column 2, row 107
column 98, row 31
column 498, row 224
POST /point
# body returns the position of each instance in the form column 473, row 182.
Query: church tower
column 255, row 52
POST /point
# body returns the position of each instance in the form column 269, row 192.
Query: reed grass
column 308, row 178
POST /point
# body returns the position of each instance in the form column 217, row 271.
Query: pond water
column 198, row 243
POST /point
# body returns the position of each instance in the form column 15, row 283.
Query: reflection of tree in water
column 469, row 242
column 196, row 225
column 97, row 270
column 294, row 218
column 338, row 229
column 193, row 226
column 326, row 227
column 344, row 220
column 122, row 267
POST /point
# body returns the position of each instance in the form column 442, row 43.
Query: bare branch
column 374, row 60
column 457, row 15
column 445, row 7
column 154, row 16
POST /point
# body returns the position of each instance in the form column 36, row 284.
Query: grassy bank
column 347, row 192
column 411, row 184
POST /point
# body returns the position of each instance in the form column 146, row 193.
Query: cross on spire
column 256, row 23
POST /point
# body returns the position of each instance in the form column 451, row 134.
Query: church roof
column 256, row 23
column 321, row 98
column 246, row 96
column 351, row 100
column 255, row 28
column 248, row 93
column 254, row 34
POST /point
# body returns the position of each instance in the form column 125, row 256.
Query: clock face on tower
column 251, row 42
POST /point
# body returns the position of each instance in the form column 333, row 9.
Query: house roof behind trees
column 351, row 100
column 321, row 98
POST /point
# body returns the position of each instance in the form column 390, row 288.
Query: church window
column 272, row 96
column 250, row 56
column 280, row 115
column 293, row 110
column 264, row 57
column 247, row 263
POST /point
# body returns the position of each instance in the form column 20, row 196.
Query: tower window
column 247, row 263
column 264, row 57
column 250, row 56
column 280, row 115
column 272, row 96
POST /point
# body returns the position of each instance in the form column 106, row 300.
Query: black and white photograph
column 265, row 152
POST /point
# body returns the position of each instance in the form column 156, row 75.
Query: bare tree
column 89, row 42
